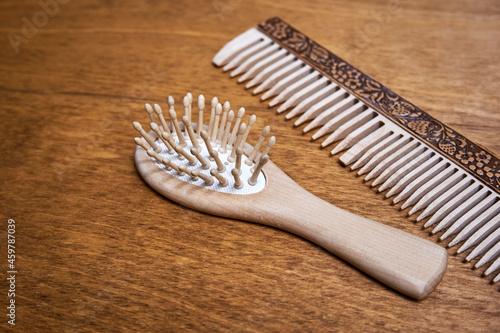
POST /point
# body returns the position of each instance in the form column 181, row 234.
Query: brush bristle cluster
column 211, row 155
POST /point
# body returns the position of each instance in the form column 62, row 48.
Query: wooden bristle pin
column 159, row 113
column 185, row 103
column 157, row 157
column 251, row 121
column 215, row 101
column 239, row 138
column 166, row 136
column 239, row 116
column 201, row 107
column 190, row 99
column 204, row 163
column 220, row 166
column 171, row 164
column 175, row 123
column 222, row 180
column 239, row 153
column 218, row 111
column 270, row 144
column 141, row 142
column 223, row 147
column 253, row 179
column 265, row 132
column 181, row 151
column 149, row 139
column 149, row 110
column 209, row 181
column 190, row 131
column 158, row 132
column 204, row 136
column 237, row 180
column 225, row 110
column 185, row 169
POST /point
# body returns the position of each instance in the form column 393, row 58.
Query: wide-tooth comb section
column 311, row 100
column 239, row 44
column 405, row 165
column 243, row 56
column 286, row 82
column 269, row 70
column 275, row 77
column 487, row 222
column 297, row 86
column 259, row 66
column 304, row 93
column 255, row 54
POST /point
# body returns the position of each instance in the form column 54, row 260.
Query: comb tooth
column 308, row 102
column 287, row 81
column 445, row 204
column 361, row 132
column 379, row 156
column 406, row 170
column 392, row 166
column 458, row 193
column 435, row 182
column 478, row 236
column 484, row 245
column 471, row 227
column 496, row 279
column 262, row 53
column 237, row 45
column 295, row 87
column 279, row 75
column 325, row 106
column 336, row 104
column 439, row 188
column 375, row 149
column 449, row 218
column 366, row 143
column 262, row 64
column 269, row 70
column 494, row 266
column 417, row 182
column 431, row 159
column 469, row 216
column 304, row 93
column 490, row 255
column 242, row 56
column 341, row 114
column 349, row 126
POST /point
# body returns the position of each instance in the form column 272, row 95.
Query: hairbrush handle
column 406, row 263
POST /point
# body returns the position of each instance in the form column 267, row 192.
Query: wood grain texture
column 99, row 250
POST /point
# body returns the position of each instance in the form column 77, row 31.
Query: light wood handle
column 407, row 263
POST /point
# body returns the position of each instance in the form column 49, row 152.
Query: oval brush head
column 203, row 159
column 212, row 169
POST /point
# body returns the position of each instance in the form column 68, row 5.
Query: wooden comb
column 448, row 179
column 256, row 190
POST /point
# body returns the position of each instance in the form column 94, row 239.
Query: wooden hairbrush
column 212, row 169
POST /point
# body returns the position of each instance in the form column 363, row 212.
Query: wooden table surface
column 100, row 251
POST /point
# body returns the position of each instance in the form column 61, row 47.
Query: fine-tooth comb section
column 203, row 159
column 438, row 174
